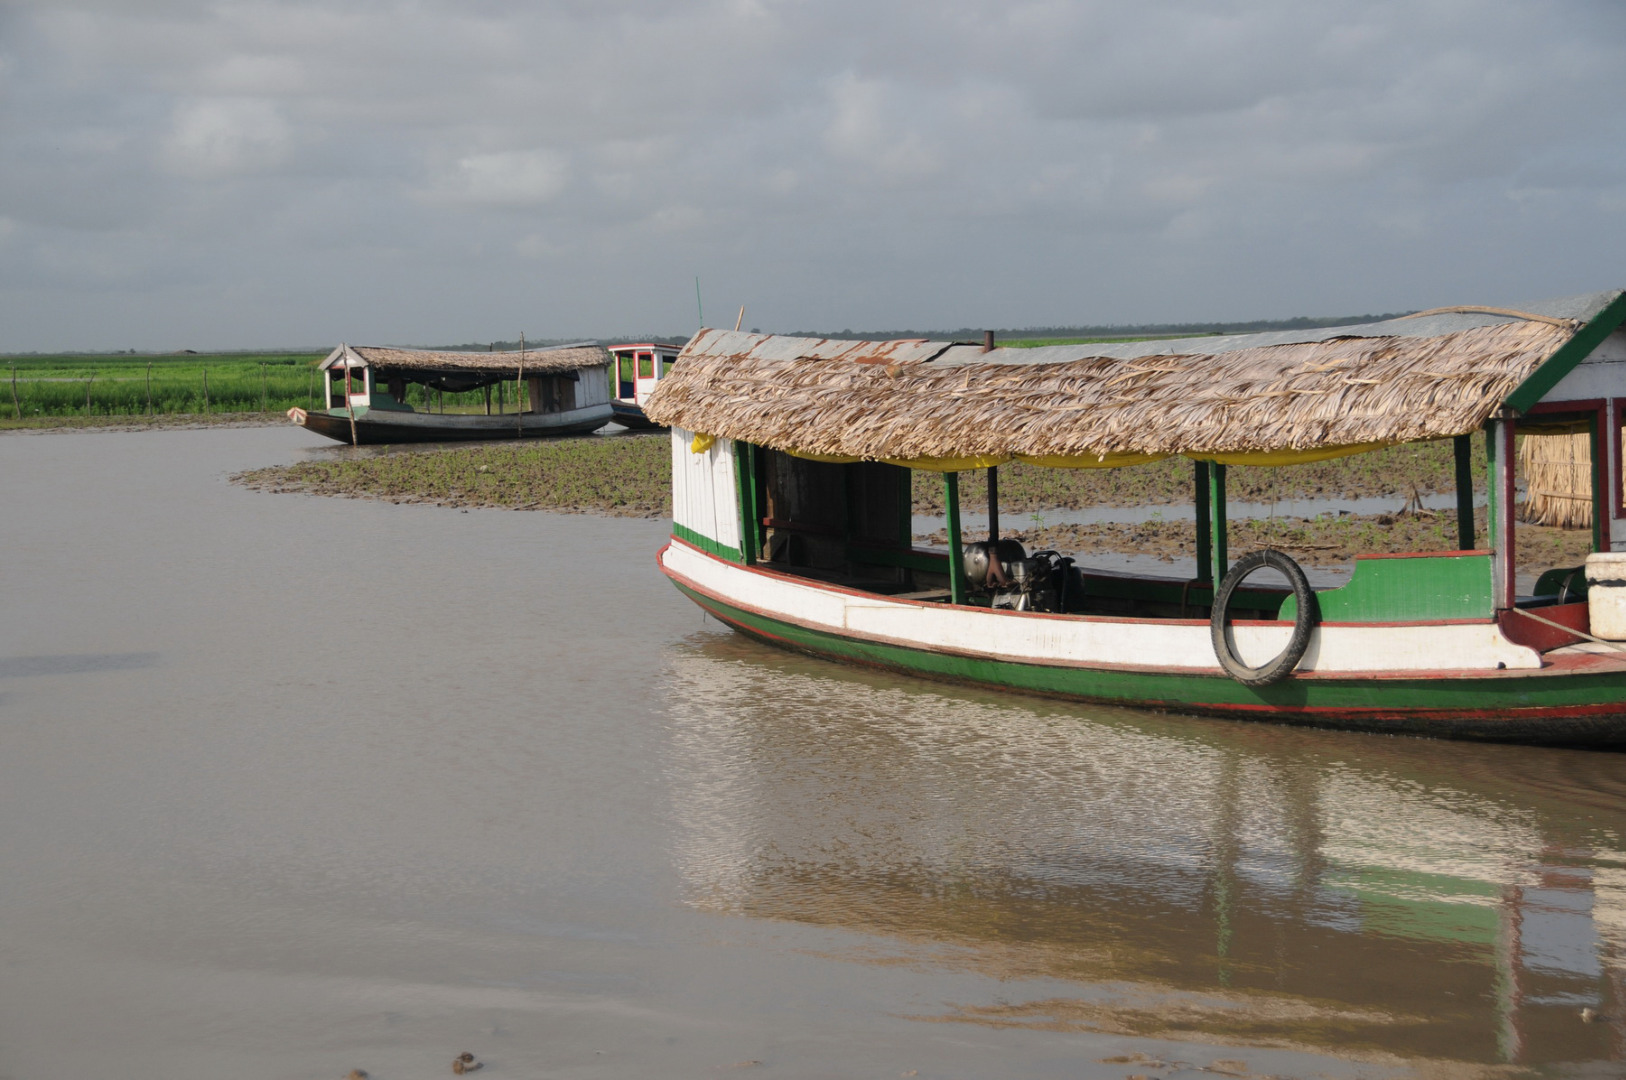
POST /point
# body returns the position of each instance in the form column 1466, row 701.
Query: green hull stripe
column 707, row 544
column 1497, row 700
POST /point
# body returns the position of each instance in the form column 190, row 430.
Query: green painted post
column 1222, row 561
column 951, row 499
column 1205, row 549
column 1463, row 447
column 745, row 483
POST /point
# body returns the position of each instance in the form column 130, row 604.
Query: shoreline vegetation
column 629, row 475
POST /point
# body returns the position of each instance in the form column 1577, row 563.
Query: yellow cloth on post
column 701, row 443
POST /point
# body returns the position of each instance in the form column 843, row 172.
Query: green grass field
column 38, row 391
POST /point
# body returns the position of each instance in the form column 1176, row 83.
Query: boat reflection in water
column 1234, row 883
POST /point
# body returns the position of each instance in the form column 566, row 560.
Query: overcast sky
column 242, row 175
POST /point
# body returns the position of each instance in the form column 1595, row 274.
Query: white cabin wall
column 705, row 497
column 1600, row 375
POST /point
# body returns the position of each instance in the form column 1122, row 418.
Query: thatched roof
column 1387, row 382
column 498, row 364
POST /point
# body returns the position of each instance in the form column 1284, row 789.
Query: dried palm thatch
column 1557, row 471
column 505, row 364
column 936, row 400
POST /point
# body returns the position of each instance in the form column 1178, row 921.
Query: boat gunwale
column 1136, row 620
column 1594, row 664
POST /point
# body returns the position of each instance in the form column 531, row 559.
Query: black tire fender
column 1308, row 614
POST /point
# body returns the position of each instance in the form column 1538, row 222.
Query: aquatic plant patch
column 623, row 475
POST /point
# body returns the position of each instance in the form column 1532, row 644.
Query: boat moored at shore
column 791, row 508
column 635, row 371
column 562, row 391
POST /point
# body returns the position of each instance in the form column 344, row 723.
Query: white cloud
column 226, row 137
column 510, row 178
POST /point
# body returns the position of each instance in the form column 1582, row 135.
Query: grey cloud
column 264, row 173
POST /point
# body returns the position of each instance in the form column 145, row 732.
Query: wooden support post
column 1501, row 525
column 87, row 392
column 1463, row 447
column 265, row 388
column 906, row 508
column 206, row 389
column 16, row 402
column 350, row 404
column 1600, row 472
column 1205, row 548
column 951, row 500
column 1216, row 500
column 519, row 391
column 149, row 387
column 993, row 504
column 312, row 395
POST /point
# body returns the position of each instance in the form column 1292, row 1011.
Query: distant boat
column 637, row 370
column 365, row 387
column 792, row 499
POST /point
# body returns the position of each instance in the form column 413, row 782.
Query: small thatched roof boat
column 557, row 391
column 791, row 508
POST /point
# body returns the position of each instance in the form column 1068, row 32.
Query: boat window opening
column 624, row 375
column 646, row 366
column 1561, row 482
column 666, row 364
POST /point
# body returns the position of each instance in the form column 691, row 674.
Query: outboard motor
column 1004, row 573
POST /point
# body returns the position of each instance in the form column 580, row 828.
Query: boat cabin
column 793, row 458
column 636, row 370
column 523, row 394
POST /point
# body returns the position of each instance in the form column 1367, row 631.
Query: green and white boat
column 530, row 394
column 792, row 524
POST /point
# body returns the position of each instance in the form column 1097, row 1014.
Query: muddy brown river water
column 293, row 785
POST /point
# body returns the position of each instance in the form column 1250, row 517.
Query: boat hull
column 377, row 426
column 1579, row 701
column 629, row 415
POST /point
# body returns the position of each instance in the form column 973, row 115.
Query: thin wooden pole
column 265, row 388
column 87, row 392
column 993, row 503
column 519, row 390
column 1205, row 523
column 1462, row 448
column 206, row 391
column 737, row 323
column 350, row 404
column 311, row 397
column 951, row 500
column 149, row 387
column 16, row 403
